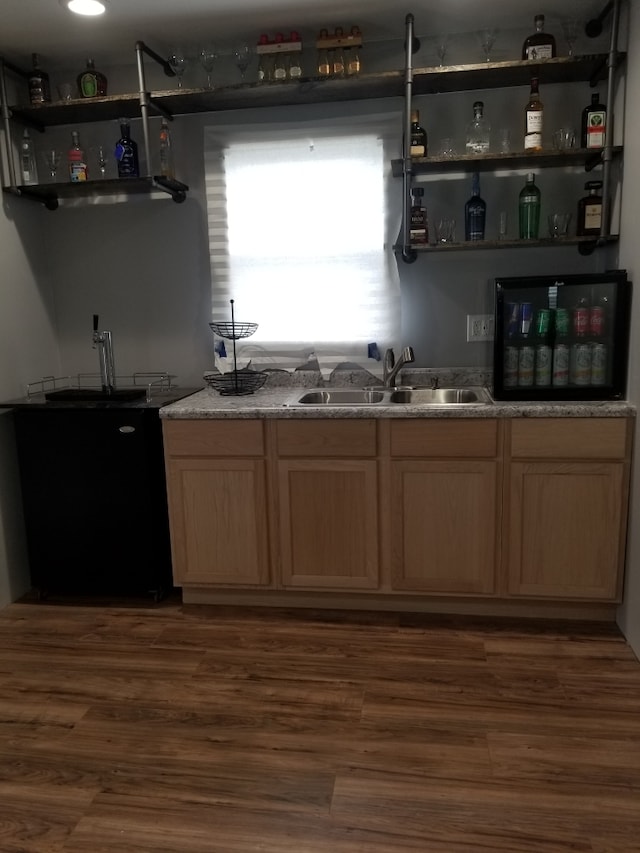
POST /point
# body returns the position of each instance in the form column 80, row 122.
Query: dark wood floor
column 165, row 729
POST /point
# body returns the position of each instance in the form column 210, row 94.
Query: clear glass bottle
column 166, row 151
column 478, row 138
column 529, row 209
column 324, row 65
column 91, row 82
column 533, row 119
column 295, row 58
column 539, row 45
column 126, row 153
column 76, row 160
column 28, row 170
column 590, row 211
column 418, row 146
column 475, row 212
column 280, row 61
column 338, row 55
column 352, row 61
column 594, row 123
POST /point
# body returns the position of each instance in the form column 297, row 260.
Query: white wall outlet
column 479, row 327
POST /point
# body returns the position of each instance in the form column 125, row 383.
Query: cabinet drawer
column 451, row 437
column 326, row 438
column 213, row 437
column 569, row 438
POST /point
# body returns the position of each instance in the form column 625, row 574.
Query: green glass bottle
column 529, row 209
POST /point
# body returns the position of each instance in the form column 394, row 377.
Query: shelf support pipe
column 409, row 255
column 607, row 153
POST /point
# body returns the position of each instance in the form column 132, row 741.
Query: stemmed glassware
column 178, row 61
column 487, row 39
column 101, row 160
column 570, row 29
column 442, row 46
column 208, row 56
column 242, row 56
column 52, row 160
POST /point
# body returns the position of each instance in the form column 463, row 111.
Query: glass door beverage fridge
column 561, row 337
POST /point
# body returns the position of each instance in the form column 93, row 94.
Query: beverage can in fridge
column 526, row 313
column 526, row 360
column 542, row 322
column 560, row 376
column 598, row 364
column 562, row 323
column 543, row 365
column 580, row 364
column 510, row 376
column 580, row 321
column 596, row 321
column 512, row 314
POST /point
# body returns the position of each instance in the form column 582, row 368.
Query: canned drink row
column 542, row 366
column 581, row 322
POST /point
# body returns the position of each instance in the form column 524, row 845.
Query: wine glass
column 242, row 56
column 208, row 56
column 487, row 39
column 442, row 46
column 178, row 61
column 52, row 158
column 101, row 160
column 570, row 30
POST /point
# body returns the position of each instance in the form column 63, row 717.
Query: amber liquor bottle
column 39, row 87
column 533, row 119
column 539, row 45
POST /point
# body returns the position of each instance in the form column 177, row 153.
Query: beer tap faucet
column 102, row 342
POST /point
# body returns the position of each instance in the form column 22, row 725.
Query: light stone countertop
column 278, row 399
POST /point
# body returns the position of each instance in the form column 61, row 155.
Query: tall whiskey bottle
column 533, row 119
column 539, row 45
column 418, row 146
column 39, row 88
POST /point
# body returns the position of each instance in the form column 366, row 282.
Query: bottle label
column 77, row 171
column 88, row 85
column 596, row 122
column 539, row 51
column 593, row 216
column 533, row 131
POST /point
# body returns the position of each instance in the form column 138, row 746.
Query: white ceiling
column 45, row 27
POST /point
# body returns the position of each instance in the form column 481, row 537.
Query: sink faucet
column 391, row 368
column 102, row 341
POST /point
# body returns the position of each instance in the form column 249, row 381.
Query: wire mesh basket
column 237, row 382
column 233, row 331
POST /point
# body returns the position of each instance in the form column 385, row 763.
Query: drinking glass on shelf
column 570, row 30
column 487, row 39
column 101, row 160
column 52, row 158
column 208, row 56
column 178, row 61
column 242, row 57
column 441, row 43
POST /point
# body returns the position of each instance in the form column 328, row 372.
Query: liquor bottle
column 590, row 211
column 418, row 146
column 280, row 61
column 166, row 151
column 126, row 153
column 27, row 160
column 295, row 58
column 475, row 212
column 529, row 209
column 265, row 61
column 337, row 68
column 543, row 352
column 92, row 83
column 419, row 232
column 77, row 163
column 539, row 45
column 594, row 122
column 324, row 66
column 39, row 88
column 478, row 131
column 352, row 59
column 533, row 119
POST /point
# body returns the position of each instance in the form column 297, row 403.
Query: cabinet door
column 328, row 523
column 443, row 526
column 217, row 513
column 565, row 529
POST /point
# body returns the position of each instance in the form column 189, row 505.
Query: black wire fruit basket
column 236, row 382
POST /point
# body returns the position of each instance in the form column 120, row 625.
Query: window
column 297, row 221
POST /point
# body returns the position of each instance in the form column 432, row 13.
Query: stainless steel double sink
column 408, row 396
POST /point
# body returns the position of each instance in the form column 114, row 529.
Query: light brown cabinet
column 328, row 504
column 566, row 510
column 217, row 493
column 444, row 507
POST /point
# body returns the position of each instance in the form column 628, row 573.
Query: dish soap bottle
column 77, row 163
column 126, row 153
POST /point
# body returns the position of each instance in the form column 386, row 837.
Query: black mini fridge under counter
column 561, row 337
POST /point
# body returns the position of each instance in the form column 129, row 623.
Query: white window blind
column 298, row 224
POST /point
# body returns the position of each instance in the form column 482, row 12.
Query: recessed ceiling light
column 85, row 7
